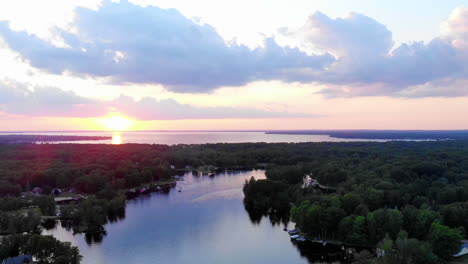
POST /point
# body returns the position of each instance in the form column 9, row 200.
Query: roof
column 18, row 260
column 63, row 199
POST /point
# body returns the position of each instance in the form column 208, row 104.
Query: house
column 66, row 200
column 56, row 191
column 144, row 190
column 463, row 249
column 18, row 260
column 36, row 191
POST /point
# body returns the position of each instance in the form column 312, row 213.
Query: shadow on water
column 116, row 217
column 95, row 238
column 314, row 252
column 90, row 238
column 49, row 224
column 254, row 216
column 318, row 253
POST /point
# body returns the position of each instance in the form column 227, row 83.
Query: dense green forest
column 408, row 198
column 45, row 249
column 85, row 168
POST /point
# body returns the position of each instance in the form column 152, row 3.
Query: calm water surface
column 171, row 138
column 205, row 223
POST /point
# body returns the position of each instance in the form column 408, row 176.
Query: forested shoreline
column 31, row 138
column 406, row 197
column 382, row 134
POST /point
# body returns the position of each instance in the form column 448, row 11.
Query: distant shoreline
column 18, row 139
column 352, row 135
column 267, row 131
column 382, row 134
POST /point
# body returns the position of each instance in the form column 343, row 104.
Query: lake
column 205, row 223
column 172, row 138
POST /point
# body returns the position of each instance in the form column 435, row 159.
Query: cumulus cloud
column 134, row 44
column 455, row 28
column 17, row 98
column 353, row 55
column 355, row 35
column 368, row 63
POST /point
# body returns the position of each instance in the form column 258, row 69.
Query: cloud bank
column 133, row 44
column 354, row 55
column 18, row 99
column 368, row 63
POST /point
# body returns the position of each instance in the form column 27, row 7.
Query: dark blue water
column 205, row 223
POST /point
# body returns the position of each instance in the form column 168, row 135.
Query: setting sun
column 117, row 123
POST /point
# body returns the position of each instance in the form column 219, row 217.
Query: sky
column 233, row 65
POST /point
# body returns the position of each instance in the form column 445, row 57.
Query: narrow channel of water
column 204, row 223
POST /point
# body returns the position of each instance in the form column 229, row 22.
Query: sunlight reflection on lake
column 116, row 139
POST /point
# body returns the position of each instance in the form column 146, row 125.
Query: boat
column 293, row 232
column 295, row 236
column 301, row 239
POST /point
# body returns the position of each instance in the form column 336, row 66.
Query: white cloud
column 130, row 44
column 369, row 65
column 156, row 46
column 455, row 27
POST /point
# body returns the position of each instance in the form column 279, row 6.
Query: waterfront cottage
column 56, row 191
column 37, row 191
column 66, row 200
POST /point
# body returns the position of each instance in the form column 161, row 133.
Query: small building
column 56, row 191
column 37, row 191
column 66, row 200
column 144, row 190
column 19, row 260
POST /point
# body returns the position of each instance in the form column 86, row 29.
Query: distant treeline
column 382, row 134
column 13, row 139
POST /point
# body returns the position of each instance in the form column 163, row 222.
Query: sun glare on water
column 117, row 123
column 116, row 139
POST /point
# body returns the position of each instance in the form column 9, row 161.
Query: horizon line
column 232, row 130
